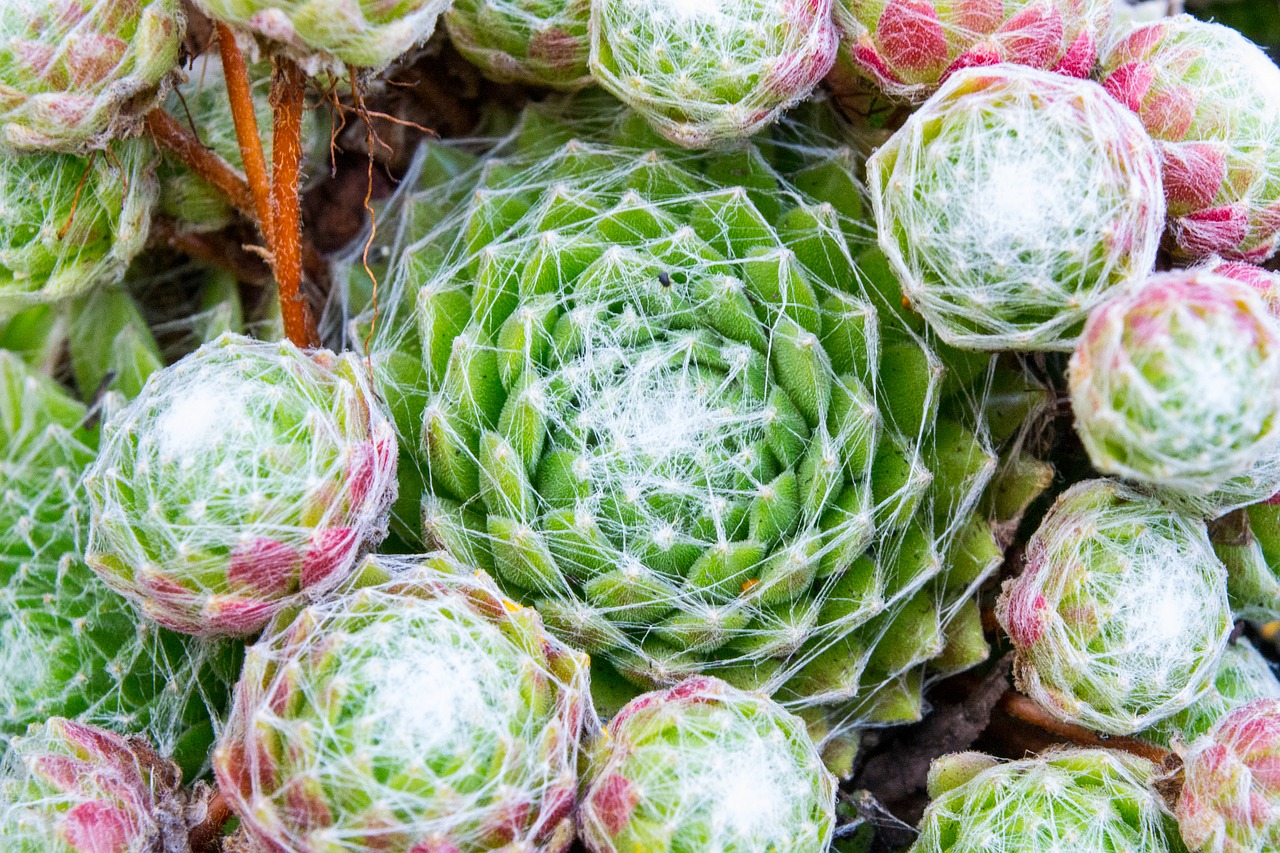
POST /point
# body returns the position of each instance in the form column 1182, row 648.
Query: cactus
column 703, row 766
column 908, row 48
column 1013, row 202
column 1230, row 800
column 536, row 42
column 1076, row 799
column 418, row 711
column 1120, row 617
column 1211, row 99
column 706, row 72
column 243, row 477
column 76, row 74
column 72, row 223
column 69, row 646
column 327, row 36
column 1177, row 385
column 658, row 401
column 70, row 788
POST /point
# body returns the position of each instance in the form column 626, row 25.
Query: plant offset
column 731, row 417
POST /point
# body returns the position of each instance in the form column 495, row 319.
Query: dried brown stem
column 246, row 122
column 287, row 100
column 206, row 836
column 1022, row 708
column 216, row 249
column 184, row 145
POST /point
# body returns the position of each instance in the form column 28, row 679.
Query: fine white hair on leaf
column 514, row 41
column 1013, row 202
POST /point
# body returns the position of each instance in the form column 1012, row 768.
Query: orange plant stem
column 1028, row 711
column 246, row 121
column 287, row 100
column 183, row 144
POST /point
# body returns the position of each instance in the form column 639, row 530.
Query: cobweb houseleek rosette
column 707, row 72
column 1211, row 100
column 418, row 710
column 908, row 48
column 72, row 223
column 705, row 766
column 70, row 788
column 243, row 477
column 1013, row 202
column 328, row 36
column 76, row 74
column 1070, row 799
column 1120, row 617
column 641, row 395
column 1177, row 385
column 535, row 42
column 70, row 646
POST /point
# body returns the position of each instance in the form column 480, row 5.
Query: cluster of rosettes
column 705, row 767
column 659, row 400
column 72, row 223
column 1121, row 615
column 908, row 48
column 419, row 711
column 705, row 71
column 1012, row 202
column 70, row 788
column 1211, row 99
column 1177, row 385
column 244, row 476
column 1078, row 800
column 538, row 42
column 75, row 73
column 69, row 646
column 329, row 36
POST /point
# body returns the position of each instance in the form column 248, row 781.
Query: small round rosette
column 1071, row 800
column 75, row 74
column 1177, row 385
column 1013, row 202
column 419, row 711
column 1230, row 800
column 908, row 48
column 709, row 71
column 1211, row 99
column 244, row 476
column 72, row 223
column 536, row 42
column 704, row 766
column 1120, row 617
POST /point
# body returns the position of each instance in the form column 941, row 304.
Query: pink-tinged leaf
column 60, row 771
column 37, row 57
column 435, row 845
column 91, row 58
column 911, row 36
column 236, row 616
column 331, row 550
column 1080, row 58
column 1033, row 36
column 556, row 47
column 866, row 57
column 1261, row 281
column 1130, row 83
column 1142, row 42
column 304, row 805
column 797, row 73
column 1215, row 231
column 980, row 17
column 692, row 687
column 613, row 800
column 372, row 464
column 978, row 56
column 1168, row 114
column 1193, row 174
column 264, row 565
column 95, row 827
column 1026, row 611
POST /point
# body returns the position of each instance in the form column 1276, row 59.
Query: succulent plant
column 75, row 74
column 704, row 766
column 655, row 395
column 69, row 646
column 536, row 42
column 1120, row 617
column 72, row 223
column 1264, row 281
column 243, row 477
column 418, row 711
column 1177, row 385
column 327, row 36
column 1013, row 202
column 705, row 72
column 1211, row 99
column 1076, row 799
column 1230, row 800
column 70, row 788
column 111, row 345
column 908, row 48
column 1244, row 675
